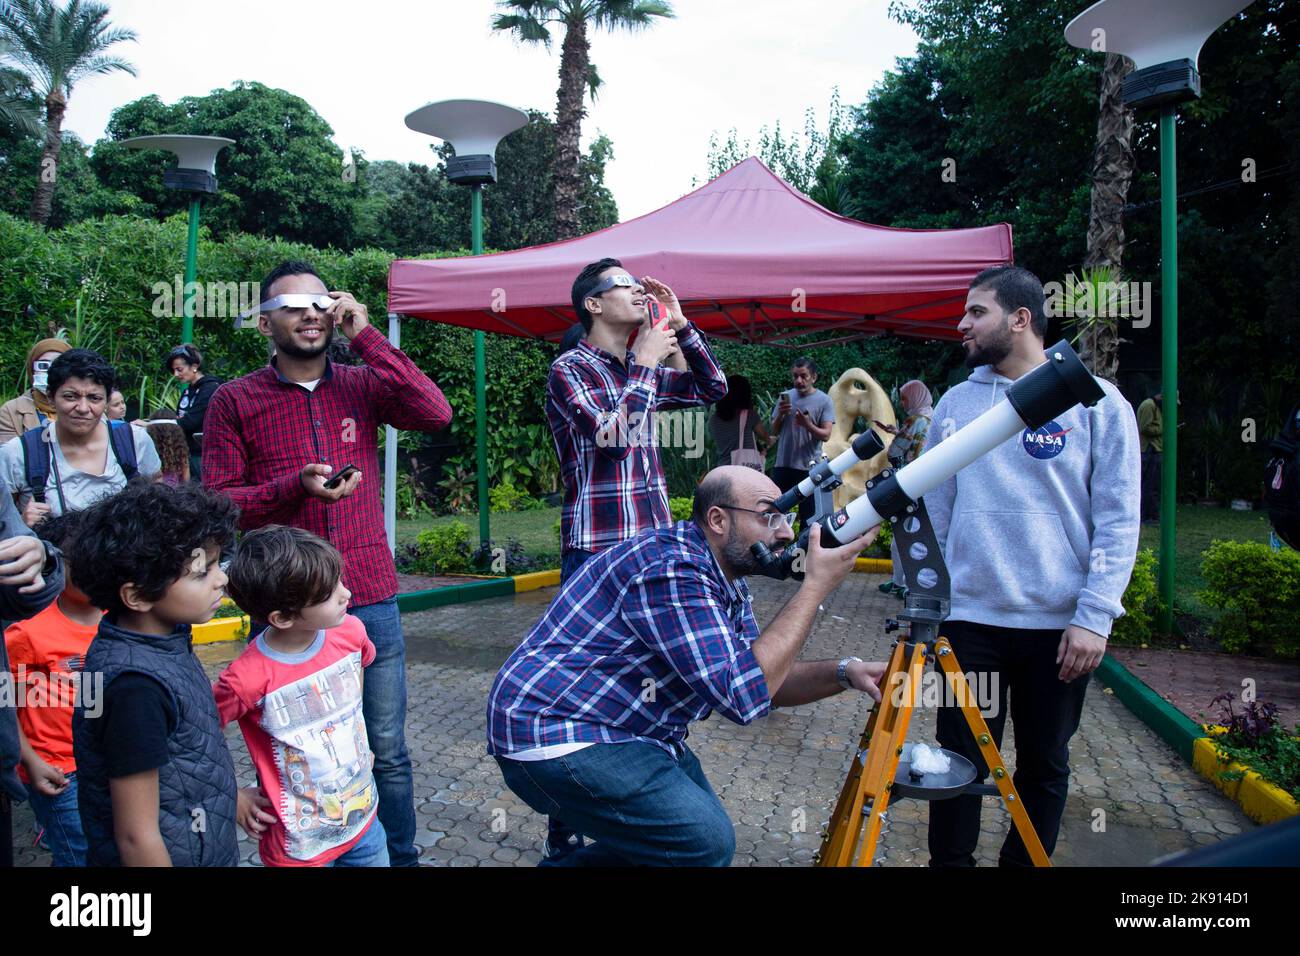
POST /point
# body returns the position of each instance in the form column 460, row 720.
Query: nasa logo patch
column 1045, row 442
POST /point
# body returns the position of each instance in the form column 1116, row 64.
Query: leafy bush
column 1139, row 601
column 680, row 508
column 1255, row 738
column 883, row 539
column 505, row 497
column 1259, row 590
column 517, row 560
column 444, row 549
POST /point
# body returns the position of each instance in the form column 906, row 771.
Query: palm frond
column 630, row 15
column 98, row 66
column 594, row 82
column 525, row 28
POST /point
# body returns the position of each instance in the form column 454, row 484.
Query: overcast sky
column 364, row 65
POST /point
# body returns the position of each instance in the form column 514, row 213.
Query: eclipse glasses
column 612, row 282
column 290, row 300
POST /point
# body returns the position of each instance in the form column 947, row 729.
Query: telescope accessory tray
column 929, row 786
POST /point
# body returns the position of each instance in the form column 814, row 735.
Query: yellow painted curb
column 1258, row 799
column 220, row 629
column 874, row 565
column 538, row 579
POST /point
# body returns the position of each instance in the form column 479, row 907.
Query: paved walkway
column 778, row 777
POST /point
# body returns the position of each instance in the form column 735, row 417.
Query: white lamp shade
column 473, row 127
column 1149, row 32
column 194, row 152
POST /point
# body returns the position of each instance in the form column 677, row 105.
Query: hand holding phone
column 347, row 472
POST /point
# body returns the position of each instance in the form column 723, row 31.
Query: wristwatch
column 842, row 671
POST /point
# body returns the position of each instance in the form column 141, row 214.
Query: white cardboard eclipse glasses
column 290, row 300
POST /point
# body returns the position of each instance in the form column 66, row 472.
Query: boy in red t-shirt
column 296, row 692
column 46, row 657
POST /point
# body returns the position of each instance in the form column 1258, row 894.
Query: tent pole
column 480, row 387
column 390, row 451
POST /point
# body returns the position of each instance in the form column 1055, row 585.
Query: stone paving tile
column 778, row 777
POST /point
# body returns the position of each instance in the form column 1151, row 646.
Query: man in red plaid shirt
column 273, row 438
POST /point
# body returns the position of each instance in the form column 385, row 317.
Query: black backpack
column 37, row 455
column 1282, row 481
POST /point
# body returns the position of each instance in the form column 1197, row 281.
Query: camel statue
column 856, row 394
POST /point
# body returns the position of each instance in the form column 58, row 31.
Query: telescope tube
column 1033, row 400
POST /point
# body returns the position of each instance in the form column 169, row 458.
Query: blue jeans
column 61, row 821
column 560, row 837
column 384, row 706
column 640, row 805
column 571, row 561
column 370, row 850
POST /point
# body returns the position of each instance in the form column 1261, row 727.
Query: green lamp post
column 1164, row 41
column 474, row 128
column 195, row 173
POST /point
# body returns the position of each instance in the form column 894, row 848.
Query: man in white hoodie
column 1039, row 536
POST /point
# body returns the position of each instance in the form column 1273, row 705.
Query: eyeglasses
column 604, row 285
column 774, row 518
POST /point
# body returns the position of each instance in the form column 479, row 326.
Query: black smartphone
column 347, row 472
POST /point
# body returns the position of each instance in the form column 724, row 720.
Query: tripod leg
column 965, row 698
column 885, row 749
column 846, row 820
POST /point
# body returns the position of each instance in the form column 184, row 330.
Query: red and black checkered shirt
column 262, row 430
column 602, row 414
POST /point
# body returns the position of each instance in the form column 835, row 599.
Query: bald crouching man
column 588, row 717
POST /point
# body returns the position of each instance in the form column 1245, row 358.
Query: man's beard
column 285, row 345
column 738, row 555
column 991, row 354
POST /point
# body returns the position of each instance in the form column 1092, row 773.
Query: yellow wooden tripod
column 872, row 775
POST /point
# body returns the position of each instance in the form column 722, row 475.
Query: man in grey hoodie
column 1039, row 536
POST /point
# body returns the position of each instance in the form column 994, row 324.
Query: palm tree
column 57, row 47
column 1112, row 172
column 529, row 21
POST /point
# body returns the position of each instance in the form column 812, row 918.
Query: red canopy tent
column 749, row 257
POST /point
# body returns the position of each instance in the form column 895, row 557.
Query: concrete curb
column 874, row 565
column 1260, row 800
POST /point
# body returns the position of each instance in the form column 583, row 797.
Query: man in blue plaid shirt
column 588, row 717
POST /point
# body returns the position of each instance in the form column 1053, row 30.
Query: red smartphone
column 347, row 472
column 658, row 314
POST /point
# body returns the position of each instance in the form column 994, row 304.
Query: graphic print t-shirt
column 301, row 719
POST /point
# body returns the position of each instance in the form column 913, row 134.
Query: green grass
column 534, row 529
column 1196, row 527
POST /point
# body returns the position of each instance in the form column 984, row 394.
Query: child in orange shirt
column 46, row 657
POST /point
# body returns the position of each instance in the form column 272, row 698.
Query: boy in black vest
column 157, row 786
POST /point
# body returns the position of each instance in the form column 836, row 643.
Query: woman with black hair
column 732, row 414
column 186, row 363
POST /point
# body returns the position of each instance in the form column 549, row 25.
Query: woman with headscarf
column 33, row 407
column 909, row 439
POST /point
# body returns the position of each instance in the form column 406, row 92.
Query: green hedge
column 1259, row 591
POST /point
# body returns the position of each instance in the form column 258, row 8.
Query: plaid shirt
column 644, row 639
column 262, row 429
column 601, row 413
